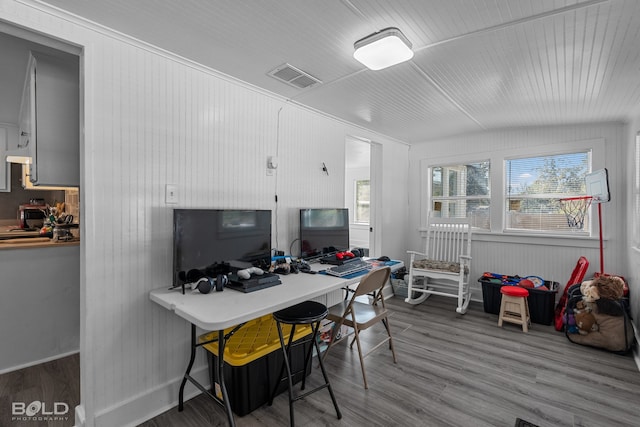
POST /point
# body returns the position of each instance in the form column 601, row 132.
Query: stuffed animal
column 589, row 291
column 609, row 287
column 584, row 318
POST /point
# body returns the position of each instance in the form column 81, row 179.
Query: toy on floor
column 606, row 287
column 585, row 321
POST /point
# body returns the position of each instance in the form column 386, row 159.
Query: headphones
column 207, row 284
column 196, row 279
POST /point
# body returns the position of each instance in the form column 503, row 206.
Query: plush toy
column 571, row 324
column 584, row 318
column 609, row 287
column 589, row 291
column 606, row 287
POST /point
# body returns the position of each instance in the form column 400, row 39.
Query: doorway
column 50, row 317
column 361, row 191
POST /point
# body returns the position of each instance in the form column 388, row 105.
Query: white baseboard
column 38, row 362
column 153, row 402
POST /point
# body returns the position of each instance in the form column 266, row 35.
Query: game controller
column 345, row 255
column 247, row 272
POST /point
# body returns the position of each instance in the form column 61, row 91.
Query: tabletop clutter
column 57, row 223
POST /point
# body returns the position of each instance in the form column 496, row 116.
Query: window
column 363, row 201
column 515, row 187
column 459, row 191
column 534, row 186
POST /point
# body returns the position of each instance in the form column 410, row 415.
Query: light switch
column 272, row 164
column 171, row 194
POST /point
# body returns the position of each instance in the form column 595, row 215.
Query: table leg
column 222, row 339
column 223, row 387
column 188, row 372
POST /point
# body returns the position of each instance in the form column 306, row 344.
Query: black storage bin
column 541, row 302
column 253, row 359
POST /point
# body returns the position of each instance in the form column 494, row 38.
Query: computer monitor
column 323, row 231
column 204, row 237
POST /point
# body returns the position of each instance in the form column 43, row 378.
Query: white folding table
column 218, row 311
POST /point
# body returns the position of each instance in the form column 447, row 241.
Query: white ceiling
column 480, row 64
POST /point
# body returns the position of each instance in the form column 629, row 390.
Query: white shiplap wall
column 550, row 258
column 170, row 123
column 152, row 119
column 631, row 223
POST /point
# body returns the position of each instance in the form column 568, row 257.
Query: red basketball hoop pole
column 600, row 229
column 575, row 209
column 597, row 185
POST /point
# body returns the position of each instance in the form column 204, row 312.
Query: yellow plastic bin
column 252, row 361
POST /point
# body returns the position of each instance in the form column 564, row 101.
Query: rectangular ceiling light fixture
column 383, row 49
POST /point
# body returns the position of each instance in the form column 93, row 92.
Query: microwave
column 31, row 216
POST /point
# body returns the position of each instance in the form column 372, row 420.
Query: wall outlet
column 171, row 194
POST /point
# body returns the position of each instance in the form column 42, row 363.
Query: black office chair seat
column 304, row 313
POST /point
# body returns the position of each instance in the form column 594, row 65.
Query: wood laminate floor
column 452, row 370
column 54, row 384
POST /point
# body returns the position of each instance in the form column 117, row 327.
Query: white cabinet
column 8, row 141
column 49, row 120
column 27, row 111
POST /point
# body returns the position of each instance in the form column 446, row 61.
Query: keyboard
column 348, row 268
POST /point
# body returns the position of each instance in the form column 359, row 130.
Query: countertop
column 37, row 243
column 28, row 239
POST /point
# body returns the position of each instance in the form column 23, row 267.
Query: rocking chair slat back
column 447, row 239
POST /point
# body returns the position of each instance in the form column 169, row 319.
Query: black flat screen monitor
column 203, row 237
column 323, row 231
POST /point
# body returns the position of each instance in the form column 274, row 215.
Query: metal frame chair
column 447, row 258
column 360, row 315
column 305, row 313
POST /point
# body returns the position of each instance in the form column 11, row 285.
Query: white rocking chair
column 447, row 259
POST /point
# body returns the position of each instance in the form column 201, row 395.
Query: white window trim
column 497, row 180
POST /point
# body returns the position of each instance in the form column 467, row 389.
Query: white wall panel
column 153, row 119
column 532, row 258
column 40, row 315
column 632, row 221
column 163, row 122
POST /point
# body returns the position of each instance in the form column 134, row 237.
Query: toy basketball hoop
column 575, row 209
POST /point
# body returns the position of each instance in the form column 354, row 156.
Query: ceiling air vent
column 293, row 76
